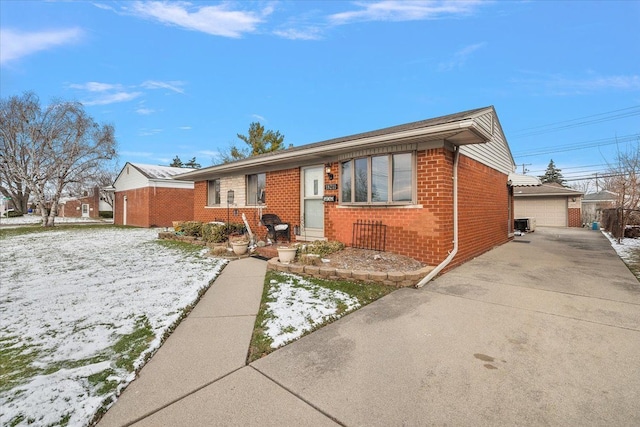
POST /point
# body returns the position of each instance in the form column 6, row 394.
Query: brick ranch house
column 403, row 176
column 81, row 207
column 148, row 196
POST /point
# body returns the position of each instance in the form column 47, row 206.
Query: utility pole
column 524, row 170
column 597, row 190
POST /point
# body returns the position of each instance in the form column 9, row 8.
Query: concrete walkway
column 544, row 330
column 208, row 345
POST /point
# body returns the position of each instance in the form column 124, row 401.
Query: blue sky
column 183, row 78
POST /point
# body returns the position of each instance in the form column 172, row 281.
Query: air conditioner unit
column 525, row 224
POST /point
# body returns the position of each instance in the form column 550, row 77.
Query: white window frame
column 211, row 201
column 259, row 195
column 389, row 201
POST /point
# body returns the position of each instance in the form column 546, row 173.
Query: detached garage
column 148, row 196
column 552, row 205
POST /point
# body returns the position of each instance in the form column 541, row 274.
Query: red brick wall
column 282, row 198
column 73, row 208
column 169, row 204
column 424, row 233
column 427, row 233
column 483, row 205
column 154, row 207
column 575, row 217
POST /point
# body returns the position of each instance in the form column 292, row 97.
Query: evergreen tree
column 552, row 174
column 192, row 164
column 177, row 163
column 259, row 141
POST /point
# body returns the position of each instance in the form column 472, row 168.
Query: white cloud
column 113, row 98
column 172, row 85
column 209, row 153
column 145, row 111
column 15, row 44
column 259, row 118
column 390, row 10
column 460, row 57
column 310, row 33
column 149, row 132
column 185, row 128
column 217, row 20
column 96, row 86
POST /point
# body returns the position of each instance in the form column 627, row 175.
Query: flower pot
column 286, row 255
column 240, row 248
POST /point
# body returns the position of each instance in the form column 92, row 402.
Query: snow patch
column 69, row 295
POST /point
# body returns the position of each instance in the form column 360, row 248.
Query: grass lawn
column 81, row 309
column 293, row 306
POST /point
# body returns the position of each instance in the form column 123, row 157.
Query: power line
column 568, row 124
column 579, row 145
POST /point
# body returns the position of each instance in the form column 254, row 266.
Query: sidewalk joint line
column 552, row 291
column 331, row 417
column 538, row 311
column 176, row 400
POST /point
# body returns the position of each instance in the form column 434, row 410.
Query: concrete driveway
column 544, row 330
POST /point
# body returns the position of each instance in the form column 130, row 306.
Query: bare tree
column 583, row 185
column 624, row 180
column 48, row 149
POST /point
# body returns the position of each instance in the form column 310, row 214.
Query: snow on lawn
column 75, row 305
column 37, row 219
column 628, row 250
column 297, row 306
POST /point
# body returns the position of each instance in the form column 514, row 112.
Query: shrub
column 106, row 214
column 218, row 233
column 323, row 247
column 192, row 228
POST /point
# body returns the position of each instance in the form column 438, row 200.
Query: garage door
column 548, row 211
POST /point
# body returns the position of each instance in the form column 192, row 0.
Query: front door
column 311, row 204
column 85, row 210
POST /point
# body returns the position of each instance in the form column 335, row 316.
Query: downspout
column 454, row 251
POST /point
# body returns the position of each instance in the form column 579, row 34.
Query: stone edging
column 392, row 278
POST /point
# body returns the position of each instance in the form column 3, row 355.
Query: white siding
column 495, row 153
column 130, row 178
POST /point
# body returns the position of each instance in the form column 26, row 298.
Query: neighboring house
column 402, row 177
column 593, row 204
column 552, row 205
column 80, row 207
column 147, row 196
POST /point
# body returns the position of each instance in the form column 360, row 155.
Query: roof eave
column 462, row 132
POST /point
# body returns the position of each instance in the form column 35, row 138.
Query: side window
column 213, row 192
column 256, row 184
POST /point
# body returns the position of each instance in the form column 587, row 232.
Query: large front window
column 386, row 179
column 256, row 188
column 213, row 192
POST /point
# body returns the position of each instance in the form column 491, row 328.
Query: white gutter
column 454, row 251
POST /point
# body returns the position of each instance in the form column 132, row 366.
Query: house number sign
column 329, row 198
column 331, row 186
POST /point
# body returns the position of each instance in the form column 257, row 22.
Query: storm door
column 312, row 206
